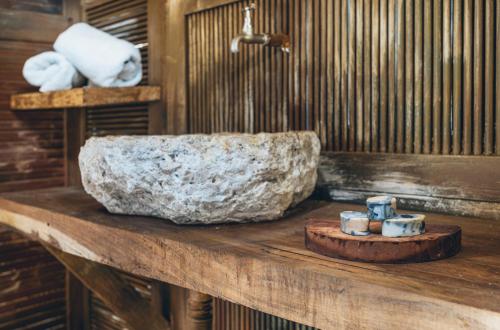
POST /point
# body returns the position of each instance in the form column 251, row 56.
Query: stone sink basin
column 192, row 179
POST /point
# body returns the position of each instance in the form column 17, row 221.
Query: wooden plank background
column 367, row 75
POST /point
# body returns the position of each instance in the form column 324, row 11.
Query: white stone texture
column 204, row 179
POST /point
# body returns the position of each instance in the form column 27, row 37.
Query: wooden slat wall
column 126, row 20
column 32, row 282
column 31, row 144
column 367, row 75
column 229, row 316
column 31, row 285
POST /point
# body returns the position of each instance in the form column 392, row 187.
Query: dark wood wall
column 391, row 76
column 31, row 144
column 32, row 282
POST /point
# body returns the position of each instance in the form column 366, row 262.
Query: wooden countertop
column 266, row 266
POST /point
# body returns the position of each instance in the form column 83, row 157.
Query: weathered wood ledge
column 266, row 266
column 85, row 97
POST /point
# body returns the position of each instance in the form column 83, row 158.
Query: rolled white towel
column 51, row 72
column 107, row 61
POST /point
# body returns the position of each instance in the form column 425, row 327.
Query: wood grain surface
column 266, row 266
column 438, row 242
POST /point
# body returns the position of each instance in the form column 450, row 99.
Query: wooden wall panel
column 367, row 75
column 31, row 285
column 31, row 143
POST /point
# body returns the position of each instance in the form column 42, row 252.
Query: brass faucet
column 249, row 37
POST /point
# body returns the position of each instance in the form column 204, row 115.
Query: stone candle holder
column 354, row 223
column 404, row 225
column 382, row 219
column 381, row 207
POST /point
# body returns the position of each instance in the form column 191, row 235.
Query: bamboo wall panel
column 229, row 316
column 398, row 76
column 31, row 285
column 126, row 20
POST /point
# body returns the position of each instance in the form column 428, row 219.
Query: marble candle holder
column 381, row 207
column 382, row 219
column 404, row 225
column 354, row 223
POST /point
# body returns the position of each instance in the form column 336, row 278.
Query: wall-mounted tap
column 249, row 37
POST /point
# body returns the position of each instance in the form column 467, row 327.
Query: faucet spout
column 256, row 39
column 249, row 37
column 235, row 44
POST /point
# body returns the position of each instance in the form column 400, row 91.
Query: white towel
column 51, row 72
column 107, row 61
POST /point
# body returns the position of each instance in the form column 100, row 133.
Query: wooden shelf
column 84, row 97
column 266, row 266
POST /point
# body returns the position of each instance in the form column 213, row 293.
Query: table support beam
column 111, row 288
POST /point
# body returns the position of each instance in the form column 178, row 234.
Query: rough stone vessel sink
column 202, row 178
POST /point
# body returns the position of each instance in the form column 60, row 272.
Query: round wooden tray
column 438, row 242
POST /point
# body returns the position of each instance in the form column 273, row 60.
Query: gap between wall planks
column 366, row 75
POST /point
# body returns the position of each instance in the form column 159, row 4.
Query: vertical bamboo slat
column 478, row 77
column 409, row 76
column 428, row 89
column 367, row 75
column 329, row 73
column 392, row 78
column 448, row 69
column 400, row 77
column 324, row 94
column 467, row 76
column 375, row 83
column 419, row 77
column 352, row 75
column 437, row 79
column 383, row 76
column 489, row 88
column 344, row 70
column 457, row 76
column 359, row 75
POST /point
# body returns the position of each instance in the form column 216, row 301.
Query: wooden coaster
column 438, row 242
